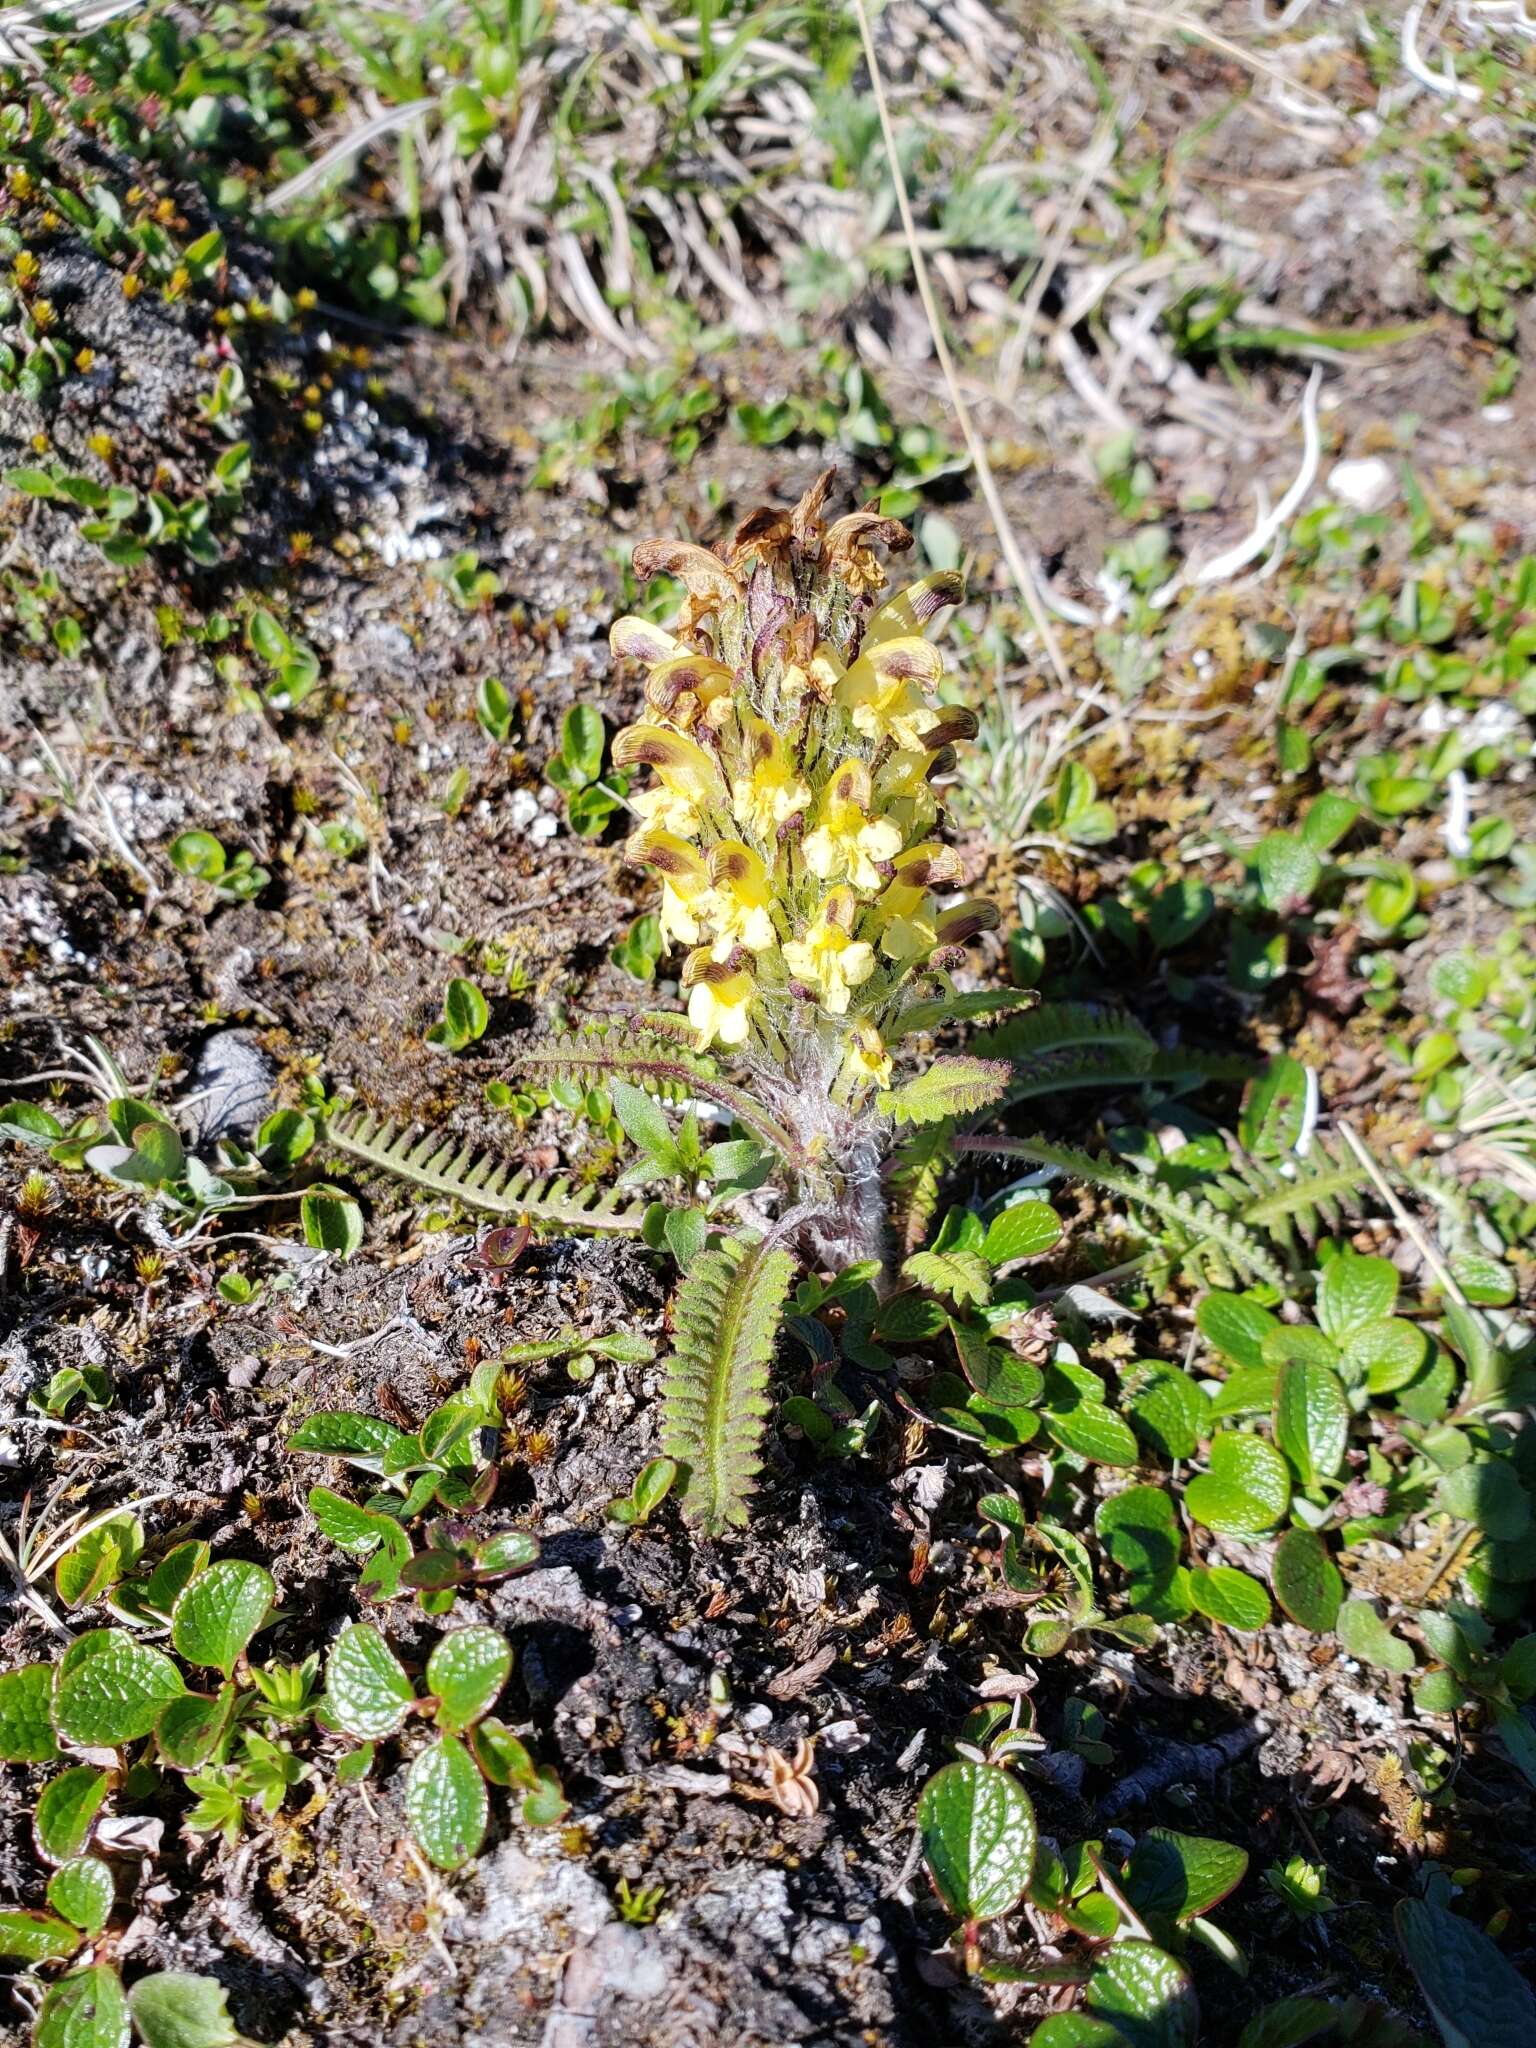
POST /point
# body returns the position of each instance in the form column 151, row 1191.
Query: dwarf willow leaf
column 86, row 2009
column 364, row 1440
column 66, row 1811
column 1093, row 1431
column 36, row 1937
column 1311, row 1420
column 1246, row 1490
column 110, row 1690
column 1386, row 1355
column 83, row 1892
column 1022, row 1232
column 1478, row 1998
column 1076, row 2030
column 366, row 1686
column 446, row 1803
column 1167, row 1409
column 331, row 1220
column 26, row 1723
column 1306, row 1580
column 1228, row 1596
column 1142, row 1984
column 466, row 1672
column 1365, row 1635
column 357, row 1530
column 978, row 1834
column 1235, row 1326
column 189, row 1730
column 1487, row 1492
column 219, row 1612
column 1180, row 1876
column 174, row 2009
column 1354, row 1291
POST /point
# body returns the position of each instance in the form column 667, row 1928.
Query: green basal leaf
column 1230, row 1597
column 217, row 1615
column 174, row 2009
column 1386, row 1355
column 26, row 1715
column 1095, row 1432
column 331, row 1220
column 110, row 1689
column 1246, row 1490
column 366, row 1686
column 364, row 1440
column 66, row 1811
column 978, row 1834
column 1076, row 2030
column 191, row 1728
column 86, row 2009
column 83, row 1892
column 1167, row 1409
column 466, row 1672
column 446, row 1803
column 1306, row 1580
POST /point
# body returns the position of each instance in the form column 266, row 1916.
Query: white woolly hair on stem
column 1013, row 555
column 1271, row 524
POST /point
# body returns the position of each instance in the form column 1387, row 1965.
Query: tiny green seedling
column 653, row 1482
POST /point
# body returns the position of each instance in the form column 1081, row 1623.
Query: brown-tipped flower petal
column 702, row 574
column 633, row 639
column 959, row 926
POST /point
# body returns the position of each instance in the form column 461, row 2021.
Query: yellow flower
column 687, row 686
column 911, row 609
column 685, row 890
column 886, row 691
column 829, row 959
column 742, row 897
column 688, row 781
column 719, row 1001
column 820, row 673
column 847, row 841
column 909, row 918
column 770, row 791
column 867, row 1063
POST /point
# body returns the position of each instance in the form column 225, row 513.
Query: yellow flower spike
column 911, row 609
column 908, row 916
column 685, row 886
column 719, row 1000
column 867, row 1064
column 829, row 959
column 638, row 640
column 686, row 686
column 847, row 841
column 770, row 791
column 886, row 691
column 742, row 897
column 689, row 781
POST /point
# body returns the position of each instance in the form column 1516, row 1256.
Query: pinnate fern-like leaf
column 715, row 1395
column 463, row 1172
column 1063, row 1046
column 651, row 1058
column 958, row 1086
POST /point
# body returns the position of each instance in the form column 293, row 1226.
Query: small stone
column 1364, row 483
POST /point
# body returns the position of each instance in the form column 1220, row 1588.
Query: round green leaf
column 366, row 1686
column 1076, row 2030
column 1140, row 1531
column 466, row 1672
column 1306, row 1580
column 1246, row 1490
column 66, row 1811
column 1311, row 1420
column 1228, row 1596
column 1487, row 1492
column 1094, row 1432
column 1365, row 1635
column 1168, row 1410
column 26, row 1717
column 1288, row 869
column 1138, row 1982
column 1235, row 1326
column 1022, row 1232
column 174, row 2009
column 1474, row 1991
column 331, row 1220
column 1354, row 1291
column 83, row 1891
column 189, row 1730
column 1182, row 1876
column 86, row 2009
column 220, row 1611
column 110, row 1689
column 978, row 1833
column 446, row 1803
column 1386, row 1354
column 36, row 1937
